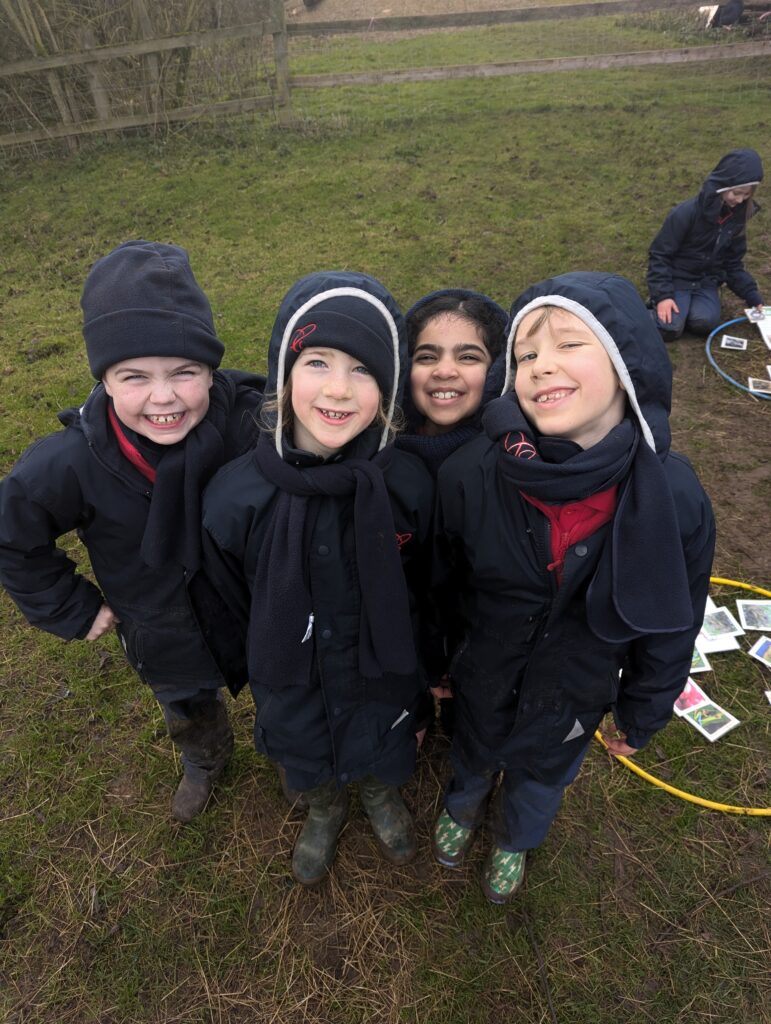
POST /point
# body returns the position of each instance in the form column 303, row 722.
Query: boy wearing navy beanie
column 127, row 473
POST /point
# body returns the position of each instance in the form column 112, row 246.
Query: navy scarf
column 641, row 582
column 280, row 626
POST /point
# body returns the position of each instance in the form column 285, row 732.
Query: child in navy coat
column 127, row 474
column 701, row 246
column 310, row 538
column 581, row 548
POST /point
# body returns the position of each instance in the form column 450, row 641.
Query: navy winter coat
column 337, row 723
column 531, row 679
column 77, row 479
column 702, row 243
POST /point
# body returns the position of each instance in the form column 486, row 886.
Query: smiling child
column 581, row 548
column 127, row 474
column 309, row 538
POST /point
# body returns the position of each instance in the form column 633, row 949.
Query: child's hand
column 665, row 309
column 615, row 741
column 103, row 623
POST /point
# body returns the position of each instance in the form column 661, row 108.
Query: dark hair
column 474, row 310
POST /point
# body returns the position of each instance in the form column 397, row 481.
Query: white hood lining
column 332, row 293
column 594, row 325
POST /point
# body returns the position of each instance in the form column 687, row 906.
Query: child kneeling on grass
column 309, row 539
column 702, row 245
column 127, row 473
column 581, row 548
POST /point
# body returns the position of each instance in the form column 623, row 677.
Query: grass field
column 639, row 906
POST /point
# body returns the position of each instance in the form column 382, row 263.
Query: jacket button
column 581, row 550
column 344, row 776
column 323, row 549
column 326, row 634
column 337, row 711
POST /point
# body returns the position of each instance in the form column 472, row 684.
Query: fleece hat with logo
column 141, row 300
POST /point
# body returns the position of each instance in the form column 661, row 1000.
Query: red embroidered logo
column 300, row 335
column 402, row 539
column 519, row 446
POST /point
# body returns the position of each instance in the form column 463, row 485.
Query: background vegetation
column 638, row 906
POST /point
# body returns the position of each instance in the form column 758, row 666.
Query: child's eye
column 525, row 357
column 362, row 369
column 316, row 363
column 423, row 357
column 471, row 357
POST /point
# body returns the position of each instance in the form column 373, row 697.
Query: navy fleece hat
column 352, row 325
column 142, row 299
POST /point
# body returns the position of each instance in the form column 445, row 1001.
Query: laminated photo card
column 720, row 643
column 692, row 697
column 755, row 615
column 699, row 662
column 762, row 321
column 711, row 721
column 730, row 341
column 761, row 651
column 718, row 623
column 759, row 385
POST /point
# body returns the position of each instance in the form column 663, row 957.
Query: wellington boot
column 316, row 845
column 391, row 821
column 190, row 798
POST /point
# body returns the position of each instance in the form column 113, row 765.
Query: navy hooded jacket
column 702, row 243
column 532, row 678
column 335, row 723
column 78, row 479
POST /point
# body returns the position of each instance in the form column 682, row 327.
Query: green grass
column 638, row 906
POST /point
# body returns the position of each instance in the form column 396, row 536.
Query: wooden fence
column 90, row 60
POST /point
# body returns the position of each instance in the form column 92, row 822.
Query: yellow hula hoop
column 761, row 812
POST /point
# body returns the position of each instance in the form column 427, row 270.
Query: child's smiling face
column 449, row 367
column 160, row 397
column 334, row 398
column 736, row 196
column 565, row 381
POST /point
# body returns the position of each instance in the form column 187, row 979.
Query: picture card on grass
column 699, row 662
column 692, row 697
column 759, row 385
column 720, row 622
column 710, row 720
column 755, row 614
column 720, row 643
column 762, row 651
column 731, row 341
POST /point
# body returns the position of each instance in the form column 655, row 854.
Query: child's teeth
column 160, row 420
column 552, row 397
column 444, row 394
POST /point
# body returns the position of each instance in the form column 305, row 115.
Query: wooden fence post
column 95, row 75
column 281, row 58
column 151, row 63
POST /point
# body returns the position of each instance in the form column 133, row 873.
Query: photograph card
column 720, row 622
column 699, row 661
column 755, row 615
column 710, row 606
column 720, row 643
column 711, row 721
column 759, row 385
column 692, row 697
column 730, row 341
column 755, row 315
column 762, row 651
column 768, row 696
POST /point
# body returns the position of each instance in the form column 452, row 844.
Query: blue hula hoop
column 723, row 374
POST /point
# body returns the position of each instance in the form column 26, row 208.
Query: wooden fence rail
column 88, row 59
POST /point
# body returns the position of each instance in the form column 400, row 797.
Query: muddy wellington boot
column 391, row 821
column 191, row 798
column 316, row 845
